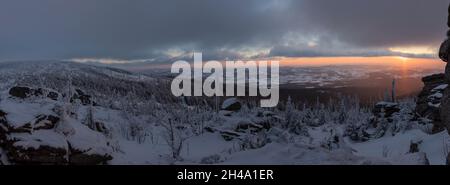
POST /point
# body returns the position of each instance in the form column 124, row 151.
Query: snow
column 395, row 146
column 436, row 95
column 206, row 145
column 39, row 138
column 20, row 113
column 140, row 154
column 437, row 105
column 296, row 154
column 228, row 102
column 87, row 140
column 132, row 116
column 440, row 87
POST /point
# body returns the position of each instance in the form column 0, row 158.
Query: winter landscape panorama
column 267, row 82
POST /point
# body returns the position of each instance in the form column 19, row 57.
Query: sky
column 162, row 30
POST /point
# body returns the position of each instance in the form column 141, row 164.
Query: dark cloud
column 60, row 29
column 346, row 52
column 379, row 23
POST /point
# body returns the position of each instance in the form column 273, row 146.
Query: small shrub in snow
column 174, row 138
column 332, row 140
column 385, row 151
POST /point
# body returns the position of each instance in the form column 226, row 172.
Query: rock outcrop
column 385, row 109
column 444, row 54
column 251, row 133
column 27, row 92
column 34, row 129
column 83, row 98
column 429, row 100
column 231, row 104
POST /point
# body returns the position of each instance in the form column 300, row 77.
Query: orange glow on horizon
column 402, row 63
column 415, row 50
column 375, row 61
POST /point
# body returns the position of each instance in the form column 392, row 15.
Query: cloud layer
column 139, row 29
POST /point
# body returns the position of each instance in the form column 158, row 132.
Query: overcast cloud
column 145, row 29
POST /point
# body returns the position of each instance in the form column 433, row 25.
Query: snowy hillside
column 72, row 113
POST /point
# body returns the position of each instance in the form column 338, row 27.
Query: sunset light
column 414, row 50
column 423, row 63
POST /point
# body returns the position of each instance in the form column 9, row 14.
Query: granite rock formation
column 444, row 53
column 429, row 100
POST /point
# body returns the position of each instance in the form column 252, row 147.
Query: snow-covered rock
column 40, row 147
column 429, row 100
column 444, row 53
column 393, row 148
column 440, row 88
column 21, row 116
column 385, row 109
column 231, row 104
column 82, row 98
column 126, row 125
column 88, row 146
column 27, row 92
column 35, row 131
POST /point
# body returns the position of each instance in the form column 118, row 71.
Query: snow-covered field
column 118, row 117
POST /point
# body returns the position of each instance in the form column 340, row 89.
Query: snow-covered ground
column 135, row 120
column 435, row 146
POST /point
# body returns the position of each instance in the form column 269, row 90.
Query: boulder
column 88, row 147
column 38, row 123
column 226, row 113
column 248, row 127
column 78, row 157
column 231, row 104
column 53, row 95
column 444, row 53
column 429, row 100
column 243, row 128
column 444, row 50
column 45, row 122
column 445, row 110
column 386, row 108
column 40, row 147
column 27, row 92
column 21, row 92
column 41, row 155
column 83, row 98
column 230, row 135
column 31, row 133
column 46, row 146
